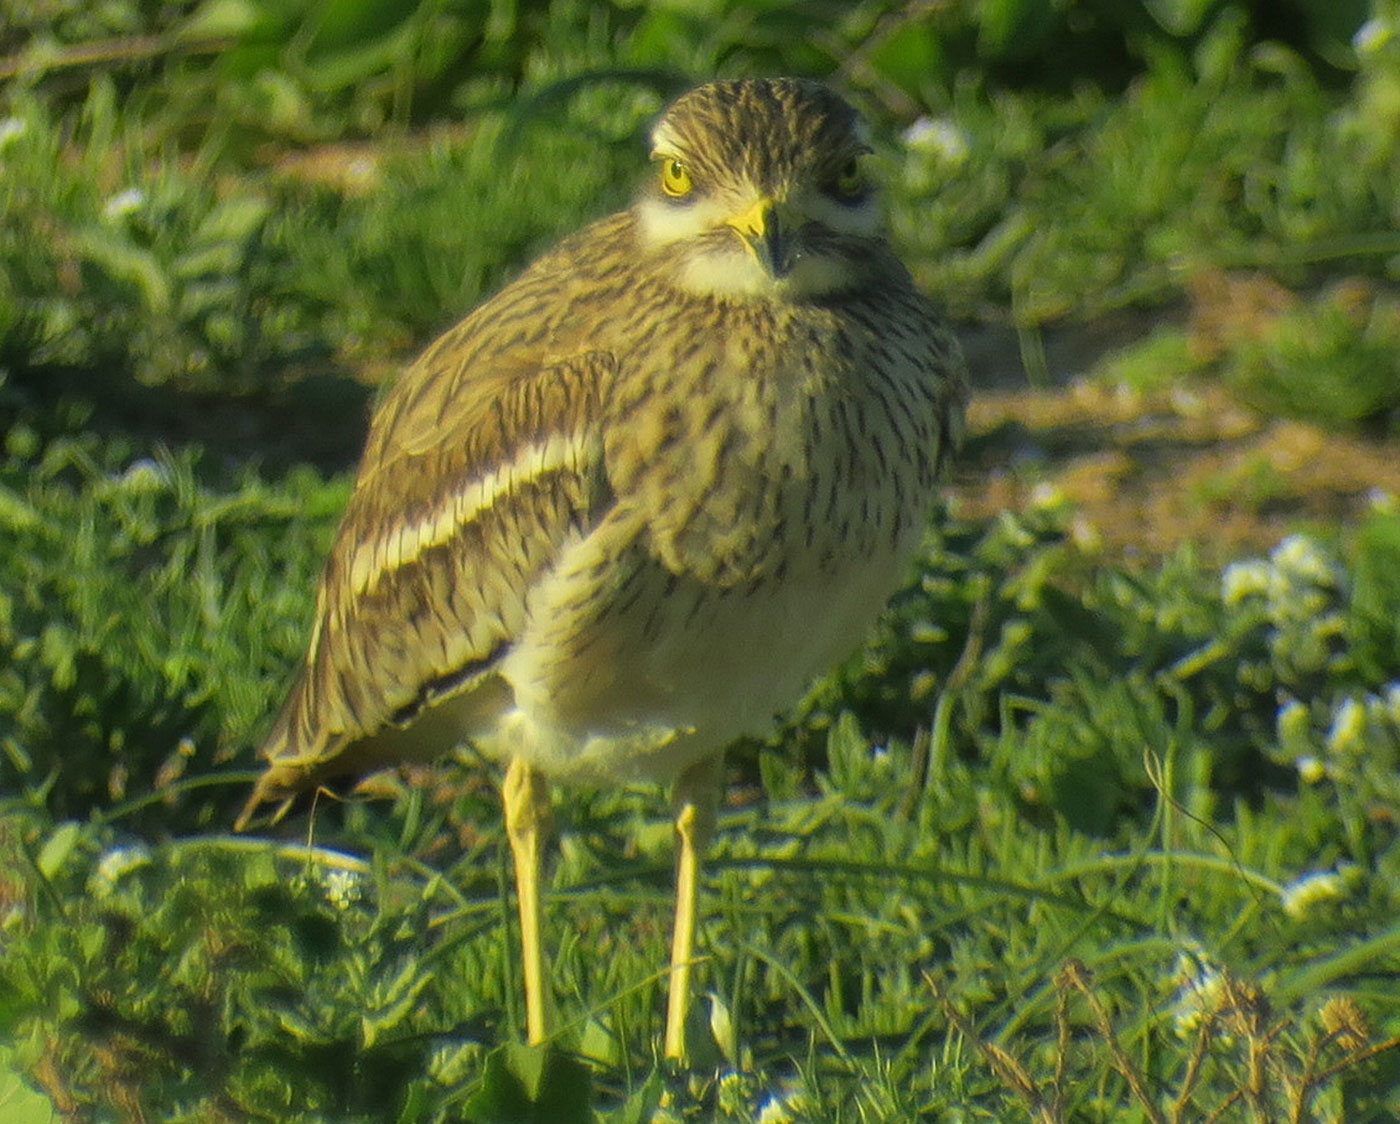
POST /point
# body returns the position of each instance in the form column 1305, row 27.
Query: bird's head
column 759, row 191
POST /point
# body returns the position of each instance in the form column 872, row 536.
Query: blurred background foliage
column 224, row 224
column 232, row 194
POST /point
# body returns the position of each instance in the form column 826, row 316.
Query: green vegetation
column 1066, row 841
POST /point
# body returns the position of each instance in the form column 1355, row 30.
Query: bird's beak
column 766, row 229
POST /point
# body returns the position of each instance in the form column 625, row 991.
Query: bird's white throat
column 725, row 267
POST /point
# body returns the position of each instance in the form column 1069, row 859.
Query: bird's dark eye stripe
column 849, row 185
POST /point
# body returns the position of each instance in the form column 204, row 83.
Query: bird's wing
column 468, row 488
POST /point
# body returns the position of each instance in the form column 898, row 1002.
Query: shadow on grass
column 319, row 418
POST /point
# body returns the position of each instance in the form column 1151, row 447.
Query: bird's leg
column 526, row 798
column 697, row 800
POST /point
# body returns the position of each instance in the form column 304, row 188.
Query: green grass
column 1064, row 841
column 21, row 1104
column 1114, row 783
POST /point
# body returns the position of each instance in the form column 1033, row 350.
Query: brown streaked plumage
column 629, row 506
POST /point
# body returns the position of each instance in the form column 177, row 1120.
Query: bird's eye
column 850, row 180
column 675, row 179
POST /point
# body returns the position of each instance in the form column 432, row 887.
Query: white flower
column 1300, row 895
column 1371, row 36
column 1298, row 558
column 342, row 888
column 1085, row 534
column 927, row 632
column 1383, row 502
column 1046, row 496
column 11, row 129
column 146, row 475
column 124, row 203
column 1311, row 770
column 1244, row 579
column 938, row 136
column 115, row 865
column 1348, row 727
column 1200, row 996
column 784, row 1106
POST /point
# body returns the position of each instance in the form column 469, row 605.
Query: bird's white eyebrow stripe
column 663, row 141
column 400, row 543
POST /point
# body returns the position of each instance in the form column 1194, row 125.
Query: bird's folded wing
column 467, row 491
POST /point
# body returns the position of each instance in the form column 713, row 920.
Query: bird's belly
column 653, row 676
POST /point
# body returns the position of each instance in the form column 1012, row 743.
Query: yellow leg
column 526, row 799
column 697, row 798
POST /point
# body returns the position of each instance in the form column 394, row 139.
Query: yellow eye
column 675, row 179
column 850, row 180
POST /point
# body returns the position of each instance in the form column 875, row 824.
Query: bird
column 628, row 508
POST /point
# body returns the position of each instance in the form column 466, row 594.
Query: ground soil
column 1148, row 472
column 1145, row 473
